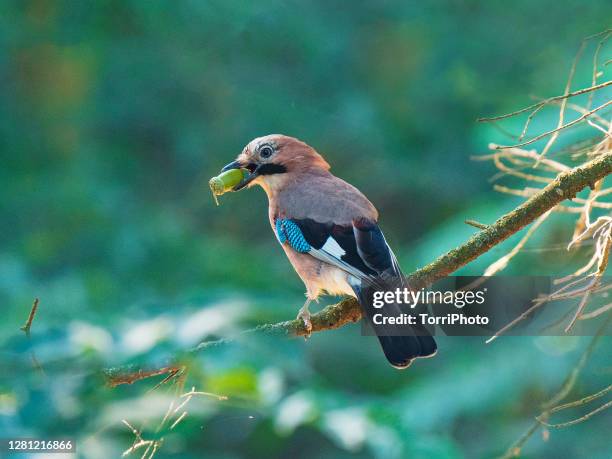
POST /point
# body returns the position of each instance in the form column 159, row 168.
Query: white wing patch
column 333, row 248
column 331, row 253
column 327, row 258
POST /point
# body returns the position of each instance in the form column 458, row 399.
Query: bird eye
column 266, row 151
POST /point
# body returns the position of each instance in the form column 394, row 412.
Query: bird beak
column 251, row 167
column 232, row 165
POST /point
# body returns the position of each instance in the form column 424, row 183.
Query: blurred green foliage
column 113, row 115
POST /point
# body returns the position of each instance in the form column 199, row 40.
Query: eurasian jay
column 328, row 230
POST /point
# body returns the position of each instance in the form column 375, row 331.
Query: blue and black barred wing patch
column 290, row 232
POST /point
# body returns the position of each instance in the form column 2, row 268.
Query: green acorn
column 226, row 181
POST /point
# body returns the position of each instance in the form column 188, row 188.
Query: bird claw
column 304, row 315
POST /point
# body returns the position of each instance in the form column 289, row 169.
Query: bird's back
column 323, row 197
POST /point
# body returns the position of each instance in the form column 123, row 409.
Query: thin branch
column 206, row 394
column 132, row 377
column 179, row 419
column 28, row 324
column 530, row 154
column 602, row 265
column 572, row 377
column 583, row 400
column 501, row 263
column 568, row 86
column 530, row 177
column 553, row 131
column 476, row 224
column 547, row 101
column 515, row 449
column 606, row 35
column 528, row 122
column 578, row 109
column 597, row 312
column 26, row 329
column 580, row 419
column 584, row 219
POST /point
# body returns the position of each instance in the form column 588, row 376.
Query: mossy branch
column 565, row 186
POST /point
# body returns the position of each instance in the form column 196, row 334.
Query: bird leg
column 304, row 314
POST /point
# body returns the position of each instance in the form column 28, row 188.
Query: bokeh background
column 113, row 115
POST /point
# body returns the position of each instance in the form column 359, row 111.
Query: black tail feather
column 400, row 349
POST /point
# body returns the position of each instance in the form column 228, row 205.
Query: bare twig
column 206, row 394
column 568, row 86
column 528, row 154
column 476, row 224
column 529, row 118
column 547, row 101
column 584, row 217
column 139, row 442
column 606, row 35
column 580, row 419
column 28, row 324
column 531, row 177
column 501, row 263
column 179, row 419
column 597, row 312
column 604, row 245
column 114, row 380
column 578, row 109
column 553, row 131
column 582, row 401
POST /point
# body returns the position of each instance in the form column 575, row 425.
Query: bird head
column 273, row 159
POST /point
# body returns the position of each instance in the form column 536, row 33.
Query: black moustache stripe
column 271, row 168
